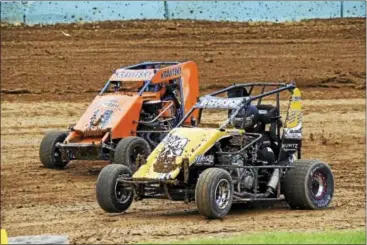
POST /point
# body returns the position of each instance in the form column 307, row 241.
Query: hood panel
column 106, row 112
column 164, row 162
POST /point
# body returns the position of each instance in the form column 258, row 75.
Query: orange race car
column 133, row 112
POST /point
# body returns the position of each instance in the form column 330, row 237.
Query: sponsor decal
column 292, row 146
column 174, row 145
column 204, row 160
column 166, row 159
column 101, row 117
column 112, row 104
column 171, row 72
column 296, row 98
column 119, row 74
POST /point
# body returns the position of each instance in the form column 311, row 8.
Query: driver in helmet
column 247, row 119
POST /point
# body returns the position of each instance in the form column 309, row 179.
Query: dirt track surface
column 35, row 200
column 74, row 61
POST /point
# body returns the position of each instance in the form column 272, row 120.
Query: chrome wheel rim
column 319, row 185
column 222, row 193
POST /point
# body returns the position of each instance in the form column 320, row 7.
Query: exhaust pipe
column 272, row 185
column 273, row 182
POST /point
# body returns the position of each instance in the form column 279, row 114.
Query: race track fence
column 52, row 12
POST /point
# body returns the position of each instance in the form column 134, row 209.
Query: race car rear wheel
column 113, row 196
column 214, row 193
column 49, row 154
column 128, row 149
column 310, row 185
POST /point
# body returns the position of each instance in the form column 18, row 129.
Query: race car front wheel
column 309, row 185
column 112, row 195
column 127, row 151
column 214, row 193
column 49, row 154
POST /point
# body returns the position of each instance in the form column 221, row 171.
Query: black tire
column 110, row 194
column 49, row 154
column 310, row 185
column 128, row 149
column 206, row 193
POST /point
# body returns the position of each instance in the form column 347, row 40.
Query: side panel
column 168, row 73
column 292, row 134
column 190, row 88
column 188, row 72
column 294, row 120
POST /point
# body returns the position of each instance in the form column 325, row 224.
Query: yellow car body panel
column 165, row 161
column 295, row 110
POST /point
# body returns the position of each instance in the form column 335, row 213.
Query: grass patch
column 328, row 237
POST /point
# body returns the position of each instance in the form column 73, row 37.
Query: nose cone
column 105, row 113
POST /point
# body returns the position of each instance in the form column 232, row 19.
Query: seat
column 269, row 114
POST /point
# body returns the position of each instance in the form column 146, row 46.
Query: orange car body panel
column 122, row 111
column 188, row 72
column 190, row 86
column 119, row 112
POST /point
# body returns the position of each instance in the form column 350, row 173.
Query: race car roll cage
column 157, row 66
column 244, row 102
column 143, row 65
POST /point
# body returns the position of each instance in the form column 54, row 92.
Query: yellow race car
column 251, row 156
